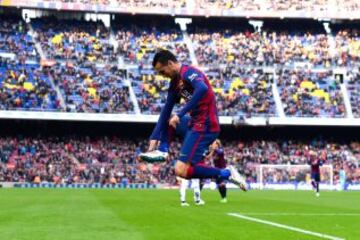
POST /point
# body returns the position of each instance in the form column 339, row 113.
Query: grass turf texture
column 156, row 214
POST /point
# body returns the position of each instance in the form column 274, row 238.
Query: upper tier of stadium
column 284, row 69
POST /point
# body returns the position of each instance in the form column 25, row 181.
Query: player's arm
column 164, row 117
column 200, row 88
column 209, row 154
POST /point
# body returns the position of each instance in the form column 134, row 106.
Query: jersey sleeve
column 164, row 116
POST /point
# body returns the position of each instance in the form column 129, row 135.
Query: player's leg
column 222, row 190
column 191, row 153
column 313, row 183
column 189, row 164
column 166, row 137
column 183, row 186
column 195, row 184
column 317, row 181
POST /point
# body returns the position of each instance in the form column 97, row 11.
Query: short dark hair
column 163, row 56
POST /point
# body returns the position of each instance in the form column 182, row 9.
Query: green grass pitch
column 69, row 214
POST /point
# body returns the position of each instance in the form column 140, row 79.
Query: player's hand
column 153, row 145
column 174, row 120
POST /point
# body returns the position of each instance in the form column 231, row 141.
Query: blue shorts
column 315, row 177
column 195, row 143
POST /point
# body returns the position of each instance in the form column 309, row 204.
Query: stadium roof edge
column 195, row 12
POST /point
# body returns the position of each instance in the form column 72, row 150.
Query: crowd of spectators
column 305, row 93
column 14, row 38
column 87, row 60
column 230, row 47
column 114, row 160
column 347, row 48
column 243, row 91
column 353, row 86
column 138, row 44
column 26, row 87
column 75, row 40
column 93, row 89
column 150, row 91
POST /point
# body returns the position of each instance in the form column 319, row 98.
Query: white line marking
column 285, row 227
column 298, row 214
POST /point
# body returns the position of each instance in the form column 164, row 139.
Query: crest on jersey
column 193, row 76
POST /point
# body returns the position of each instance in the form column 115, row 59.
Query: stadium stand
column 14, row 38
column 26, row 87
column 310, row 94
column 111, row 159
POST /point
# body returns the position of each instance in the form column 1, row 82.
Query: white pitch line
column 298, row 214
column 321, row 235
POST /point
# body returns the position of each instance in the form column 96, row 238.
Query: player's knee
column 181, row 169
column 180, row 172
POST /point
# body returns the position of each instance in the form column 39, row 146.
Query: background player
column 216, row 154
column 315, row 172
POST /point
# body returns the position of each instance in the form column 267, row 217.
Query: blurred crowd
column 74, row 40
column 354, row 90
column 114, row 160
column 308, row 93
column 87, row 63
column 93, row 89
column 267, row 48
column 26, row 87
column 14, row 38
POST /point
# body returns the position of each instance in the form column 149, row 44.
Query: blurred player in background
column 342, row 178
column 216, row 154
column 195, row 185
column 315, row 164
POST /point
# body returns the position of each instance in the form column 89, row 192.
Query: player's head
column 166, row 64
column 216, row 144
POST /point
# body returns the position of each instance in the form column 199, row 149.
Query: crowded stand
column 114, row 160
column 15, row 39
column 93, row 89
column 75, row 40
column 353, row 86
column 26, row 87
column 150, row 90
column 347, row 45
column 276, row 44
column 137, row 42
column 305, row 93
column 242, row 91
column 83, row 60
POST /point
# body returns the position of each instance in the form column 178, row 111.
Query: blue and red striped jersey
column 193, row 86
column 202, row 110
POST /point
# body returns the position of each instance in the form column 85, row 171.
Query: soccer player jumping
column 199, row 129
